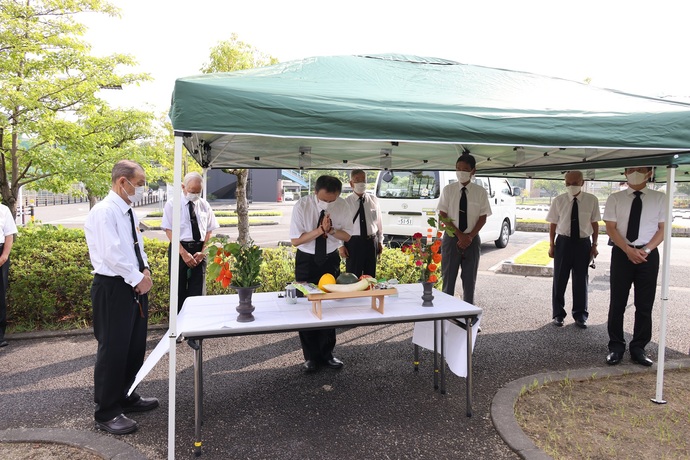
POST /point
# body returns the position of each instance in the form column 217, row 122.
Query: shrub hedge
column 50, row 277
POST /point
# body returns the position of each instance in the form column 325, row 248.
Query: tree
column 49, row 104
column 551, row 187
column 683, row 187
column 228, row 56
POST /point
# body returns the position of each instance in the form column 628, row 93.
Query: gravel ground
column 259, row 405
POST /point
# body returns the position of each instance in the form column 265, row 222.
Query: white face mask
column 636, row 178
column 193, row 196
column 138, row 193
column 360, row 187
column 574, row 189
column 322, row 205
column 463, row 176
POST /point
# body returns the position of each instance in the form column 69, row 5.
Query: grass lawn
column 536, row 255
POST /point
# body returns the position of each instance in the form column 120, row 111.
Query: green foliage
column 278, row 268
column 50, row 278
column 394, row 263
column 552, row 187
column 234, row 54
column 57, row 130
column 234, row 263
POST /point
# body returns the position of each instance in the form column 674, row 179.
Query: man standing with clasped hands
column 574, row 218
column 121, row 282
column 635, row 225
column 197, row 222
column 467, row 205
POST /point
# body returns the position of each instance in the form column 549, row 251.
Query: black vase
column 427, row 297
column 245, row 308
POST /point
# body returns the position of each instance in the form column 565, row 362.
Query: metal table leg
column 435, row 356
column 470, row 324
column 443, row 361
column 198, row 396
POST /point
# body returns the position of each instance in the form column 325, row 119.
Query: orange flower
column 426, row 257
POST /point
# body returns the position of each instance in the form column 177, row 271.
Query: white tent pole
column 174, row 272
column 665, row 265
column 204, row 190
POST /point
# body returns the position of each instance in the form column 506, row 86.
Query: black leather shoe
column 581, row 324
column 558, row 321
column 614, row 358
column 309, row 366
column 334, row 363
column 641, row 358
column 142, row 405
column 3, row 343
column 118, row 425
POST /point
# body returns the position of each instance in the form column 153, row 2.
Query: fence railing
column 58, row 199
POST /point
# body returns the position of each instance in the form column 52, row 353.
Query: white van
column 408, row 198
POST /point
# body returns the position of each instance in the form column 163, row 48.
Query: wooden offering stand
column 375, row 294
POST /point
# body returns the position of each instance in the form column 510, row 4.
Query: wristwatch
column 646, row 250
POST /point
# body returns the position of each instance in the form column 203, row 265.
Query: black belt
column 569, row 237
column 368, row 237
column 638, row 246
column 98, row 275
column 192, row 244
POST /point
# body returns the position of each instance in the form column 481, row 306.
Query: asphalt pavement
column 259, row 405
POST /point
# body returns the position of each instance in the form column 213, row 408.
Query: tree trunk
column 93, row 199
column 242, row 205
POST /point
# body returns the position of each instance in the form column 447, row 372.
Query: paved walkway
column 259, row 405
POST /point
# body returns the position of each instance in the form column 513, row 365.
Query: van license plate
column 404, row 221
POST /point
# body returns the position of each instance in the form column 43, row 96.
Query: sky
column 633, row 46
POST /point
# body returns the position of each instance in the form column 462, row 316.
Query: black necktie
column 196, row 234
column 362, row 218
column 137, row 250
column 575, row 221
column 462, row 221
column 320, row 253
column 634, row 220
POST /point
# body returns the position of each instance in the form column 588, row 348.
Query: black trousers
column 4, row 283
column 362, row 256
column 190, row 281
column 623, row 275
column 119, row 324
column 571, row 255
column 454, row 260
column 318, row 344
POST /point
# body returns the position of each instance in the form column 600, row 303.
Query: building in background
column 267, row 185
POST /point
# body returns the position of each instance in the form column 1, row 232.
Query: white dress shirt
column 6, row 222
column 108, row 232
column 305, row 217
column 477, row 203
column 653, row 211
column 587, row 211
column 372, row 214
column 204, row 216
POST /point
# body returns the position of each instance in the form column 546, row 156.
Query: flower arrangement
column 234, row 264
column 426, row 257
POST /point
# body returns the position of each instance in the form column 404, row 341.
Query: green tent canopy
column 407, row 112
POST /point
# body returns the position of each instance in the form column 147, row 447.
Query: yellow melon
column 327, row 278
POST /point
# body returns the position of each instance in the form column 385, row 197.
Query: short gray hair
column 192, row 176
